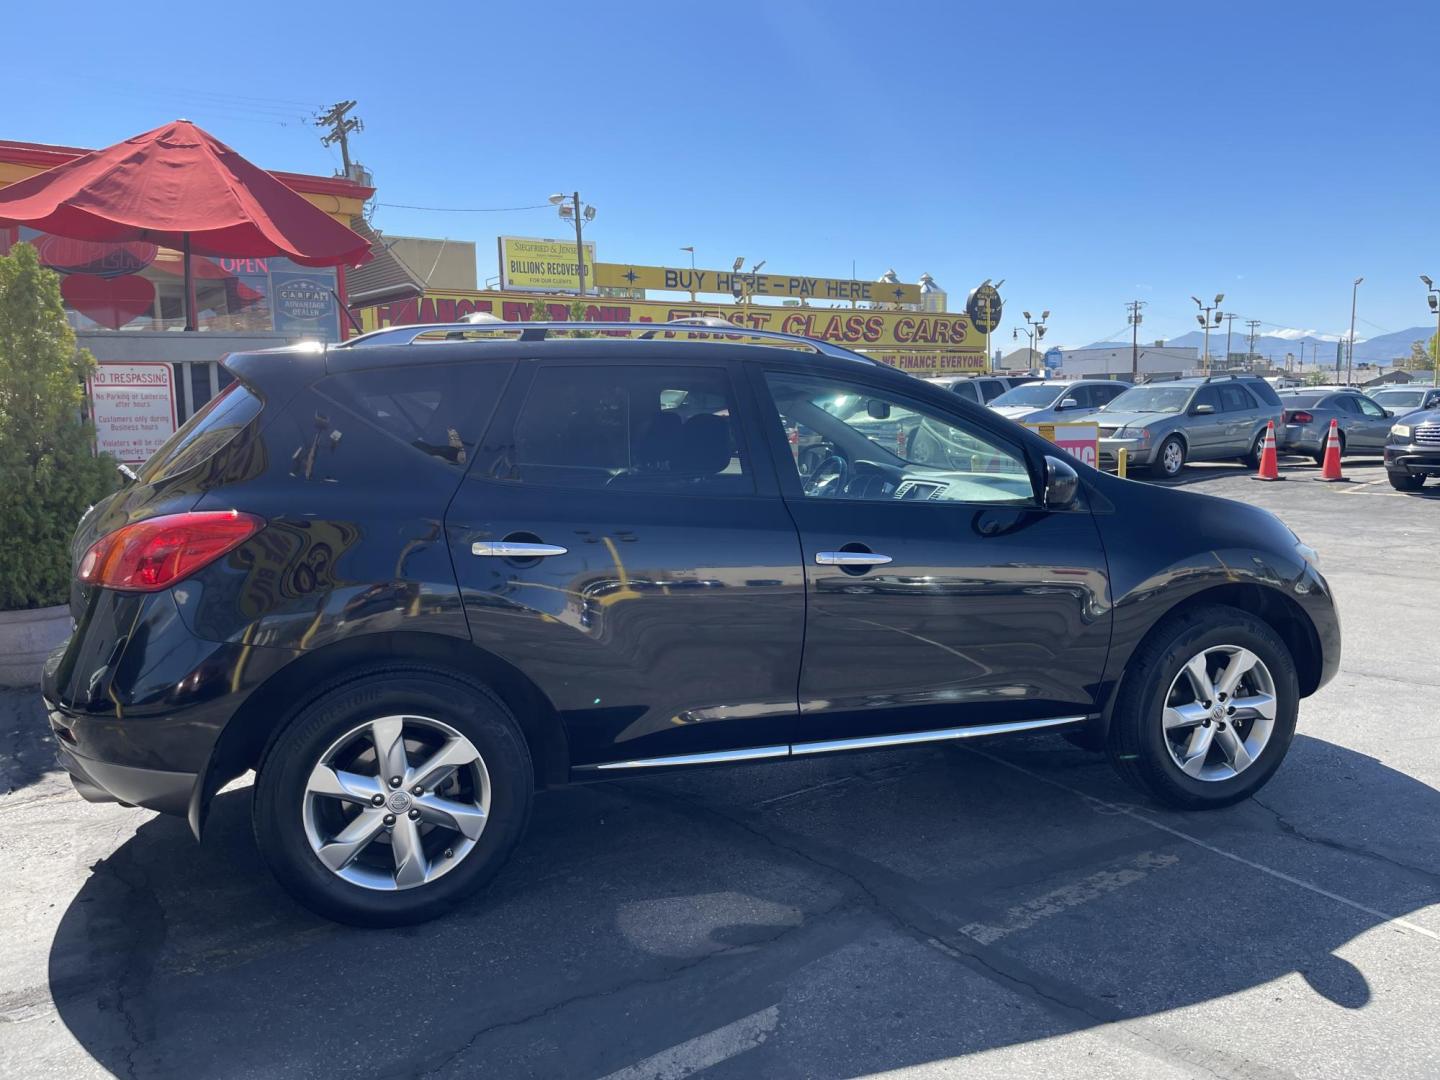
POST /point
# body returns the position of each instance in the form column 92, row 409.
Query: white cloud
column 1292, row 334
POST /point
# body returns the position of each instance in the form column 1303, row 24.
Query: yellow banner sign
column 729, row 282
column 528, row 264
column 879, row 332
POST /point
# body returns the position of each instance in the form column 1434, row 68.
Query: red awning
column 174, row 183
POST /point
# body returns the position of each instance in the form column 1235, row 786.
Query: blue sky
column 1088, row 153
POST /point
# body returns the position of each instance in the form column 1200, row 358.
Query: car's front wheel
column 1206, row 710
column 1169, row 458
column 390, row 797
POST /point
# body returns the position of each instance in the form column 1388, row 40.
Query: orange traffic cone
column 1330, row 470
column 1269, row 463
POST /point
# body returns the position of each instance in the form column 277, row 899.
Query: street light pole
column 1350, row 358
column 581, row 215
column 1204, row 321
column 1036, row 331
column 1434, row 299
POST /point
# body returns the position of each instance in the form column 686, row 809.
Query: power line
column 465, row 209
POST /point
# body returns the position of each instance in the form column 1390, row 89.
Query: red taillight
column 1299, row 416
column 154, row 554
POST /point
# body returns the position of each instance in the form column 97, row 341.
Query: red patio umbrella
column 180, row 187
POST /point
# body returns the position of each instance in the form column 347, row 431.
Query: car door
column 1372, row 425
column 1241, row 412
column 1206, row 431
column 617, row 545
column 941, row 594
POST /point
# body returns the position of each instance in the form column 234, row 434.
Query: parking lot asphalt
column 1002, row 908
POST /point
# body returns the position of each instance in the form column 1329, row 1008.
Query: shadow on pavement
column 895, row 909
column 27, row 749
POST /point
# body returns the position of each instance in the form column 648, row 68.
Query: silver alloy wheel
column 396, row 802
column 1219, row 712
column 1172, row 457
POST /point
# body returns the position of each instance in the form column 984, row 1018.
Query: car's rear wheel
column 1206, row 710
column 1320, row 456
column 1169, row 458
column 389, row 798
column 1257, row 448
column 1406, row 481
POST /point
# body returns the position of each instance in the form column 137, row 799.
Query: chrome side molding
column 828, row 746
column 758, row 753
column 975, row 731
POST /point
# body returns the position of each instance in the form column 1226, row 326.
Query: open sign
column 1079, row 440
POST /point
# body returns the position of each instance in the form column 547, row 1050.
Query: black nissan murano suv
column 411, row 578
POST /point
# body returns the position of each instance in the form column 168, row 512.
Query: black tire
column 1406, row 481
column 1137, row 743
column 1252, row 459
column 1157, row 463
column 470, row 709
column 1320, row 457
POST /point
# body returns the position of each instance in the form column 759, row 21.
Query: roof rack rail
column 709, row 326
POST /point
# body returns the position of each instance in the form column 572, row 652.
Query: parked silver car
column 981, row 389
column 1364, row 425
column 1056, row 400
column 1399, row 400
column 1164, row 425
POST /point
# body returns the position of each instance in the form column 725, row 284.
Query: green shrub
column 49, row 473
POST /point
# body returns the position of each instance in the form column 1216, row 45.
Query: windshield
column 1036, row 395
column 1399, row 399
column 1158, row 399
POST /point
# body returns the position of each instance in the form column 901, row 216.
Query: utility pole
column 340, row 128
column 1254, row 327
column 1134, row 307
column 1350, row 360
column 1229, row 328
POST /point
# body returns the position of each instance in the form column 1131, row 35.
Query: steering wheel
column 830, row 478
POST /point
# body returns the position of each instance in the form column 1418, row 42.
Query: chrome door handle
column 851, row 558
column 509, row 549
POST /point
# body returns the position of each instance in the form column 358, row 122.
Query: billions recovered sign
column 133, row 406
column 738, row 283
column 528, row 264
column 921, row 342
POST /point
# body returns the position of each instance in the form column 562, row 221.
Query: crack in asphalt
column 1289, row 828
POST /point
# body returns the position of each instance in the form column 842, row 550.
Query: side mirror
column 877, row 410
column 1062, row 484
column 1069, row 403
column 1202, row 410
column 1389, row 412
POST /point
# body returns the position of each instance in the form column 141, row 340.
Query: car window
column 438, row 409
column 629, row 428
column 1401, row 399
column 1034, row 395
column 881, row 447
column 1106, row 394
column 1206, row 395
column 1151, row 399
column 1344, row 403
column 1301, row 401
column 1263, row 390
column 1369, row 408
column 1235, row 399
column 967, row 389
column 990, row 389
column 204, row 435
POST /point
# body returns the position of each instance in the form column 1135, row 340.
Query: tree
column 49, row 472
column 1422, row 356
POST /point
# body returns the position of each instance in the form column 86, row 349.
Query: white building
column 1116, row 361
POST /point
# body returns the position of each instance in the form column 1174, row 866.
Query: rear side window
column 1235, row 399
column 990, row 389
column 439, row 410
column 205, row 434
column 1263, row 390
column 630, row 428
column 1106, row 394
column 970, row 391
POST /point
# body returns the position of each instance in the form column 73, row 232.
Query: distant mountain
column 1383, row 348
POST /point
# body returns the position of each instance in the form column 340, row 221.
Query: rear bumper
column 1296, row 439
column 104, row 781
column 1413, row 460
